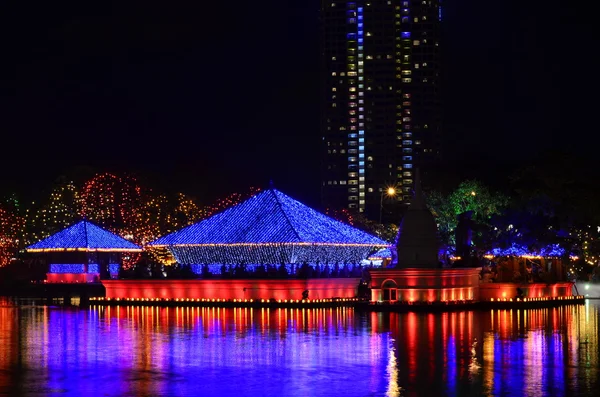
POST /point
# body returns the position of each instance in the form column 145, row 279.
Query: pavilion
column 269, row 229
column 83, row 253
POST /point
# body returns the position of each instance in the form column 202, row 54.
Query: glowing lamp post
column 390, row 192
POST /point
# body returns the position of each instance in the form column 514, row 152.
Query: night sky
column 211, row 99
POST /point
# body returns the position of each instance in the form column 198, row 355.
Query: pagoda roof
column 83, row 236
column 269, row 217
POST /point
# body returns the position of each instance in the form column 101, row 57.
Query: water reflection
column 150, row 351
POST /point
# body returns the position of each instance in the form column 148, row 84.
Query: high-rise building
column 380, row 101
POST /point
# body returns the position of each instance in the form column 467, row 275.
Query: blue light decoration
column 77, row 268
column 376, row 259
column 405, row 35
column 62, row 268
column 270, row 228
column 552, row 250
column 84, row 236
column 113, row 268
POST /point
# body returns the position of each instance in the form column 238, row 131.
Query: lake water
column 150, row 351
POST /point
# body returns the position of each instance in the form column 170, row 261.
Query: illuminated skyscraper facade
column 380, row 101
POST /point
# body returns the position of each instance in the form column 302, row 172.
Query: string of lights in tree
column 230, row 201
column 11, row 227
column 112, row 201
column 343, row 215
column 60, row 210
column 268, row 228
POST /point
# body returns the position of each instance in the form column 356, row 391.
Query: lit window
column 416, row 42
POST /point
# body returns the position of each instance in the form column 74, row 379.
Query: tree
column 60, row 209
column 11, row 229
column 470, row 196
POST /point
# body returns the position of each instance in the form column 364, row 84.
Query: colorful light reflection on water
column 151, row 351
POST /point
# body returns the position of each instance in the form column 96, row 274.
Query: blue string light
column 270, row 228
column 84, row 236
column 79, row 268
column 553, row 250
column 62, row 268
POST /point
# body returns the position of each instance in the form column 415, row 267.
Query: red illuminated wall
column 489, row 291
column 232, row 289
column 72, row 277
column 427, row 285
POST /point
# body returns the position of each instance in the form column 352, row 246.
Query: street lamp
column 390, row 192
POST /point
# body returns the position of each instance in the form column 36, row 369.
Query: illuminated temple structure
column 270, row 228
column 268, row 232
column 83, row 253
column 288, row 251
column 415, row 274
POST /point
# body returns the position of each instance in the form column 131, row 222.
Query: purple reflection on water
column 150, row 351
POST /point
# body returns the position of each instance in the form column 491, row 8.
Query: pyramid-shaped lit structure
column 84, row 236
column 269, row 228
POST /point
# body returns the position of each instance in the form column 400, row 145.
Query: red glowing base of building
column 425, row 285
column 409, row 286
column 255, row 289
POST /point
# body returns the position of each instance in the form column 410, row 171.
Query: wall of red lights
column 232, row 289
